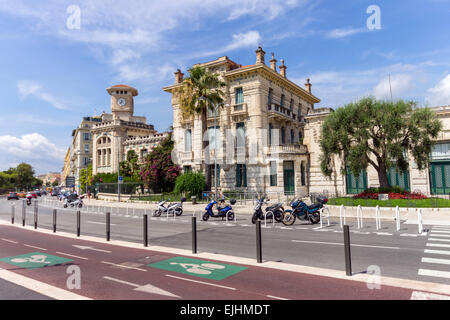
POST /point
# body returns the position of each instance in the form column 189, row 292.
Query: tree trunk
column 206, row 162
column 382, row 177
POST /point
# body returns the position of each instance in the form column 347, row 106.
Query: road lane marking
column 122, row 266
column 27, row 245
column 278, row 298
column 71, row 255
column 438, row 245
column 40, row 287
column 433, row 260
column 437, row 251
column 201, row 282
column 341, row 244
column 441, row 235
column 90, row 248
column 148, row 288
column 440, row 231
column 437, row 239
column 417, row 295
column 96, row 222
column 434, row 273
column 10, row 241
column 383, row 233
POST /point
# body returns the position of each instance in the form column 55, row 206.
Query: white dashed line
column 71, row 255
column 10, row 241
column 27, row 245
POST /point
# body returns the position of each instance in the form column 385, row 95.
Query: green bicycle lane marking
column 35, row 260
column 198, row 268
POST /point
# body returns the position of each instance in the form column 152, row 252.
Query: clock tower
column 122, row 103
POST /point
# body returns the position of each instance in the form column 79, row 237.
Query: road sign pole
column 145, row 230
column 258, row 242
column 54, row 220
column 108, row 226
column 78, row 223
column 348, row 258
column 194, row 234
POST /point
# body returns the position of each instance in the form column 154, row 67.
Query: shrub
column 393, row 192
column 192, row 183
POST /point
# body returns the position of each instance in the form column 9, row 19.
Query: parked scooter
column 304, row 212
column 173, row 208
column 274, row 211
column 222, row 212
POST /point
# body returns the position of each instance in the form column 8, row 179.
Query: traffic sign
column 120, row 179
column 198, row 268
column 35, row 260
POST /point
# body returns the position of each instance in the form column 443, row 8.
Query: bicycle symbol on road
column 37, row 258
column 204, row 268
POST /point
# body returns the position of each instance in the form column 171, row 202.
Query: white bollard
column 419, row 221
column 377, row 217
column 321, row 218
column 340, row 214
column 358, row 214
column 397, row 218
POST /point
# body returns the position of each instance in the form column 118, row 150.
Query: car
column 33, row 194
column 54, row 193
column 13, row 195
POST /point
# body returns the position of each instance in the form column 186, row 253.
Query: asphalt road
column 111, row 272
column 401, row 254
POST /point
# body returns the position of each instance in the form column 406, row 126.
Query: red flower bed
column 392, row 195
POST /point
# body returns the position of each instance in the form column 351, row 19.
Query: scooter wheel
column 230, row 216
column 80, row 205
column 179, row 212
column 205, row 216
column 254, row 218
column 65, row 206
column 156, row 213
column 278, row 216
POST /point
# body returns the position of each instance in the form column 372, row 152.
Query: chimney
column 260, row 55
column 283, row 68
column 273, row 63
column 308, row 85
column 178, row 76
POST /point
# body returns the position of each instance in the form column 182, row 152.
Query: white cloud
column 400, row 84
column 31, row 88
column 34, row 149
column 343, row 32
column 439, row 95
column 240, row 40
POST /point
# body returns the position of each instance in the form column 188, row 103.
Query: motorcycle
column 222, row 212
column 304, row 212
column 173, row 208
column 29, row 197
column 73, row 202
column 274, row 211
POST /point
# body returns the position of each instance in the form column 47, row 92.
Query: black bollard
column 108, row 226
column 258, row 242
column 13, row 208
column 24, row 212
column 145, row 230
column 78, row 223
column 348, row 257
column 54, row 220
column 35, row 214
column 194, row 234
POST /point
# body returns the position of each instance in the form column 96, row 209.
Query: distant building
column 49, row 178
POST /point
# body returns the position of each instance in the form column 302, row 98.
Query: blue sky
column 52, row 75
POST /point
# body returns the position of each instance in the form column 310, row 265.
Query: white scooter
column 173, row 208
column 78, row 203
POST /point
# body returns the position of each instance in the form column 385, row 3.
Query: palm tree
column 201, row 91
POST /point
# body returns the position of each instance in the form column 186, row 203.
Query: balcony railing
column 275, row 109
column 289, row 148
column 239, row 109
column 186, row 156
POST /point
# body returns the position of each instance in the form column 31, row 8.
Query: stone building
column 259, row 132
column 266, row 138
column 121, row 131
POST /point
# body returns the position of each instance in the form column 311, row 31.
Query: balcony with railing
column 294, row 148
column 239, row 109
column 277, row 111
column 186, row 156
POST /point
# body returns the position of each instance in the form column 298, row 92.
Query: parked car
column 33, row 194
column 13, row 195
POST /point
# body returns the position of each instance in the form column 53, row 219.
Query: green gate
column 440, row 177
column 398, row 178
column 289, row 177
column 356, row 185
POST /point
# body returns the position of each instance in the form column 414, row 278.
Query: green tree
column 25, row 175
column 192, row 183
column 130, row 167
column 56, row 182
column 378, row 133
column 83, row 178
column 201, row 91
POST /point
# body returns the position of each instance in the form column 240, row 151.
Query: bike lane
column 115, row 272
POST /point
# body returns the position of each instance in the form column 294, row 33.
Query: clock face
column 121, row 102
